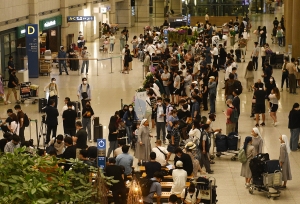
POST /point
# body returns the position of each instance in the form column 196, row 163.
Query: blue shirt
column 171, row 118
column 125, row 160
column 195, row 107
column 155, row 188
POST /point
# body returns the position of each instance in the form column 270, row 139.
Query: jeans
column 294, row 138
column 111, row 47
column 112, row 146
column 86, row 124
column 64, row 65
column 49, row 129
column 85, row 62
column 161, row 126
column 255, row 62
column 129, row 133
column 285, row 77
column 212, row 103
column 279, row 41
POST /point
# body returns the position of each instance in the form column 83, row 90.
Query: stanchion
column 121, row 63
column 111, row 66
column 79, row 67
column 97, row 67
column 143, row 72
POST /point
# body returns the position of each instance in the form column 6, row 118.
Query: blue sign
column 79, row 18
column 101, row 146
column 32, row 49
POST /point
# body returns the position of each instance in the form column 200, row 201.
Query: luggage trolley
column 207, row 188
column 226, row 145
column 36, row 131
column 29, row 92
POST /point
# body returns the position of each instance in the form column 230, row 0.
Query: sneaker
column 211, row 172
column 18, row 102
column 8, row 102
column 257, row 125
column 275, row 124
column 269, row 110
column 262, row 124
column 90, row 141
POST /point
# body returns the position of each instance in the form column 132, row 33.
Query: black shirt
column 294, row 119
column 111, row 136
column 215, row 74
column 115, row 171
column 89, row 112
column 8, row 120
column 183, row 114
column 70, row 152
column 236, row 103
column 69, row 117
column 10, row 64
column 151, row 168
column 82, row 137
column 260, row 96
column 187, row 163
column 12, row 78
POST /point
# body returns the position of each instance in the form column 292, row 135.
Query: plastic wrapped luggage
column 221, row 143
column 232, row 141
column 271, row 166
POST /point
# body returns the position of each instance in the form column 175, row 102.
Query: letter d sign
column 30, row 30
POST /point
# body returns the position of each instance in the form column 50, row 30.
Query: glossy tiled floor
column 110, row 88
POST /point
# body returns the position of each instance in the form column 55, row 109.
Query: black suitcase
column 75, row 65
column 271, row 166
column 76, row 105
column 273, row 59
column 98, row 132
column 42, row 104
column 122, row 133
column 221, row 143
column 232, row 141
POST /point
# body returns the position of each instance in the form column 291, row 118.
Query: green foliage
column 31, row 179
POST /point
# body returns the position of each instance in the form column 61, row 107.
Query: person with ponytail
column 284, row 159
column 250, row 153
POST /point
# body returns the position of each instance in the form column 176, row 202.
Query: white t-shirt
column 190, row 198
column 215, row 51
column 195, row 134
column 160, row 110
column 160, row 157
column 15, row 127
column 228, row 71
column 112, row 39
column 179, row 179
column 65, row 107
column 151, row 49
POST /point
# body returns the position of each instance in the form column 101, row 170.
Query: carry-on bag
column 232, row 141
column 221, row 143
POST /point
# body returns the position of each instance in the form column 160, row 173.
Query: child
column 106, row 44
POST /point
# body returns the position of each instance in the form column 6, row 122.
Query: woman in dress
column 53, row 91
column 284, row 159
column 143, row 147
column 113, row 135
column 274, row 98
column 257, row 140
column 249, row 76
column 122, row 41
column 135, row 43
column 250, row 153
column 127, row 59
column 190, row 149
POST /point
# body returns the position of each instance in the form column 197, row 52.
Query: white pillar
column 89, row 34
column 142, row 10
column 64, row 9
column 123, row 13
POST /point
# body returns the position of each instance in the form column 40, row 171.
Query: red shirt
column 228, row 113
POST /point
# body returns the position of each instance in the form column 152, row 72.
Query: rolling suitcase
column 98, row 132
column 42, row 104
column 232, row 141
column 76, row 105
column 221, row 143
column 271, row 166
column 273, row 59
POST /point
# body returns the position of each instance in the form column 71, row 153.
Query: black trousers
column 116, row 196
column 255, row 62
column 49, row 129
column 204, row 100
column 70, row 131
column 204, row 161
column 216, row 61
column 263, row 59
column 285, row 77
column 21, row 134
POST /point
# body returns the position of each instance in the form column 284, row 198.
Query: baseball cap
column 179, row 164
column 212, row 77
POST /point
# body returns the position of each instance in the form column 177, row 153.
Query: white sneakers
column 275, row 124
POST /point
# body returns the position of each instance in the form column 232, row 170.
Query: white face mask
column 130, row 109
column 159, row 103
column 271, row 79
column 54, row 82
column 84, row 82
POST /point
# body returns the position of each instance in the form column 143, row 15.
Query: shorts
column 12, row 90
column 260, row 108
column 153, row 114
column 126, row 63
column 176, row 91
column 167, row 90
column 274, row 107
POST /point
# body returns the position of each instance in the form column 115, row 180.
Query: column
column 158, row 8
column 288, row 22
column 124, row 14
column 89, row 34
column 296, row 29
column 33, row 11
column 64, row 9
column 142, row 11
column 112, row 12
column 176, row 6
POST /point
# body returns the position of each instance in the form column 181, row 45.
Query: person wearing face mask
column 128, row 118
column 62, row 55
column 53, row 91
column 212, row 89
column 284, row 160
column 269, row 87
column 250, row 153
column 74, row 64
column 58, row 144
column 123, row 111
column 127, row 59
column 160, row 119
column 84, row 92
column 267, row 73
column 51, row 120
column 87, row 116
column 187, row 82
column 257, row 140
column 13, row 82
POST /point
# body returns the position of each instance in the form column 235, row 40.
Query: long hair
column 276, row 92
column 112, row 122
column 247, row 140
column 250, row 66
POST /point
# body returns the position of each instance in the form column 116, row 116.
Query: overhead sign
column 79, row 18
column 103, row 10
column 101, row 146
column 48, row 23
column 31, row 34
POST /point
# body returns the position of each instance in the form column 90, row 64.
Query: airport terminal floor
column 109, row 88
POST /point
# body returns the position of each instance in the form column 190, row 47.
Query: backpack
column 242, row 156
column 146, row 185
column 279, row 34
column 238, row 86
column 26, row 120
column 186, row 192
column 234, row 117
